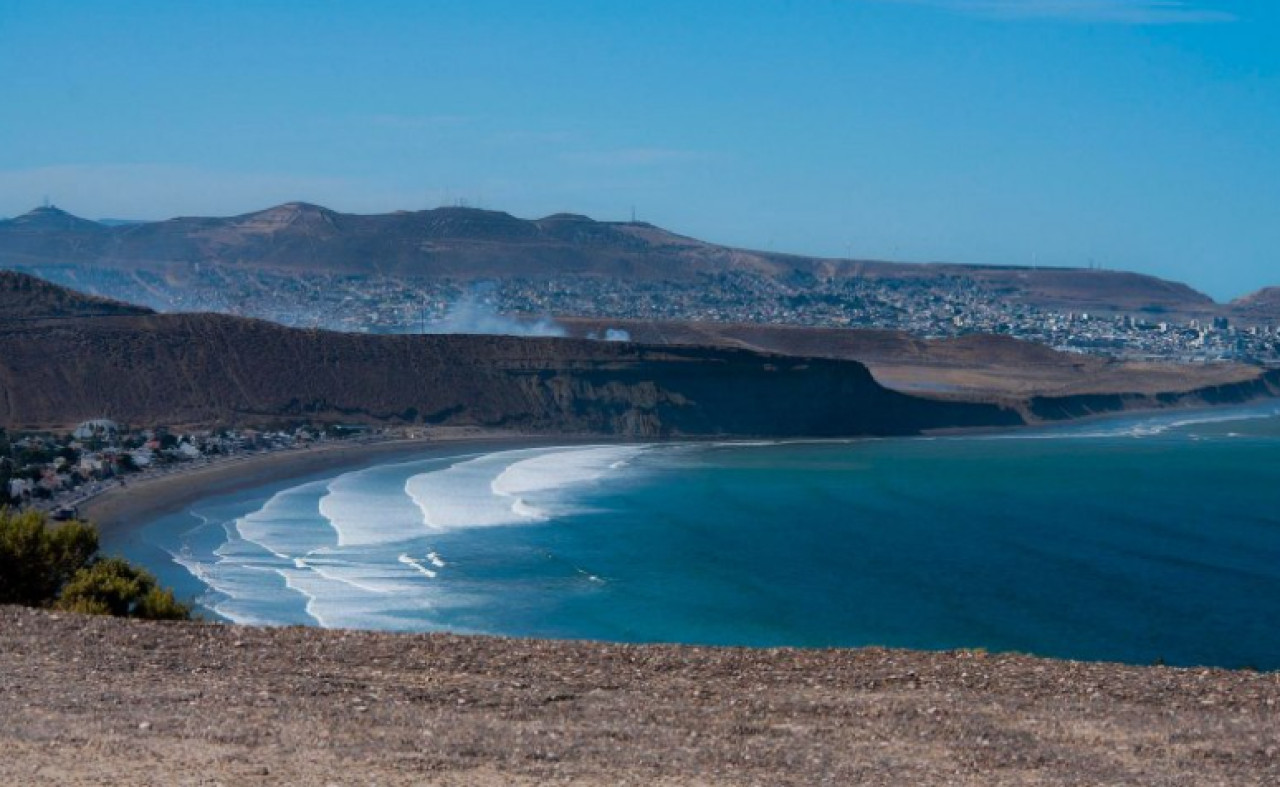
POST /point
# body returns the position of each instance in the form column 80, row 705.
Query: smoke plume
column 474, row 313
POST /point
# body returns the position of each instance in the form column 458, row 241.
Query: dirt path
column 99, row 701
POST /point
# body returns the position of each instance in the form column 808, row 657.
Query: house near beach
column 97, row 427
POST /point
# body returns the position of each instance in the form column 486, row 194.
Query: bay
column 1141, row 539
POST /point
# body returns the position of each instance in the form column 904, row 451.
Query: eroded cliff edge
column 65, row 358
column 212, row 369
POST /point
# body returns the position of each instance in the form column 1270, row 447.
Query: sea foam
column 364, row 510
column 356, row 550
column 285, row 525
column 1153, row 425
column 512, row 487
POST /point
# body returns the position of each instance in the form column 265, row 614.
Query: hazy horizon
column 1127, row 134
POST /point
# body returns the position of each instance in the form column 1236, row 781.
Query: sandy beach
column 141, row 499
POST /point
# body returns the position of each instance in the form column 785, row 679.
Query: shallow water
column 1135, row 539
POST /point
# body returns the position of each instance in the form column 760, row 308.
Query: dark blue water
column 1140, row 540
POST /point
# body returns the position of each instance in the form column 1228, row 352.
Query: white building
column 99, row 427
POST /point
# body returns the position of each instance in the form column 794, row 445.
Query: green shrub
column 159, row 604
column 111, row 586
column 37, row 560
column 42, row 565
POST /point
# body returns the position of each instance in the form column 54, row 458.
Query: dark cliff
column 145, row 368
column 1061, row 408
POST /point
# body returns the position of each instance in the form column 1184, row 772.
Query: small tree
column 37, row 560
column 42, row 565
column 113, row 587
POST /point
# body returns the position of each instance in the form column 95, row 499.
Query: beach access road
column 87, row 700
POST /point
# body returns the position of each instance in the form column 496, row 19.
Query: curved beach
column 143, row 499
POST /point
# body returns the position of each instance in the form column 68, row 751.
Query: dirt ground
column 99, row 701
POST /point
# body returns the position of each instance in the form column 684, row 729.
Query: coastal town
column 959, row 306
column 58, row 472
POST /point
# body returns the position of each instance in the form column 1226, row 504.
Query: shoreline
column 142, row 500
column 122, row 510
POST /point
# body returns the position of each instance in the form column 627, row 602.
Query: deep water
column 1140, row 540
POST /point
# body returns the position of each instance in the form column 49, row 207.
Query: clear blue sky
column 1134, row 133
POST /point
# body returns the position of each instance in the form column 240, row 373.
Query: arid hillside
column 979, row 365
column 1261, row 306
column 28, row 298
column 470, row 244
column 91, row 701
column 144, row 368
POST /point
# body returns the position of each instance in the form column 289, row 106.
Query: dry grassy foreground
column 98, row 701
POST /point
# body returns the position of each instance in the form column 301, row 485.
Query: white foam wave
column 242, row 594
column 512, row 487
column 350, row 551
column 334, row 604
column 417, row 566
column 1153, row 426
column 285, row 524
column 364, row 512
column 318, row 543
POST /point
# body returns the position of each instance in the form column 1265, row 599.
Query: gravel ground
column 98, row 701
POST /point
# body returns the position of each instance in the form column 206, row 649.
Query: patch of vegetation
column 111, row 586
column 58, row 566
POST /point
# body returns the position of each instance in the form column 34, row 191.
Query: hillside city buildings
column 957, row 306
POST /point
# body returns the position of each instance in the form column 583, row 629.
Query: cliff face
column 208, row 369
column 1061, row 408
column 65, row 358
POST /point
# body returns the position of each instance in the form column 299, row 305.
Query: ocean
column 1140, row 539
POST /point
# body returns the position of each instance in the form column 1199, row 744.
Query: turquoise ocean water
column 1136, row 539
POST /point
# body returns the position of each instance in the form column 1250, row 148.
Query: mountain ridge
column 470, row 244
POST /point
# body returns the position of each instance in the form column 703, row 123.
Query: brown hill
column 1262, row 306
column 25, row 297
column 466, row 243
column 978, row 365
column 144, row 368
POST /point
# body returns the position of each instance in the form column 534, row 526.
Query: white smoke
column 474, row 313
column 610, row 335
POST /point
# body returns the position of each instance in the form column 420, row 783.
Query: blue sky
column 1135, row 134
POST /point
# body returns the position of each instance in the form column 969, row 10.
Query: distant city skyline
column 1129, row 134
